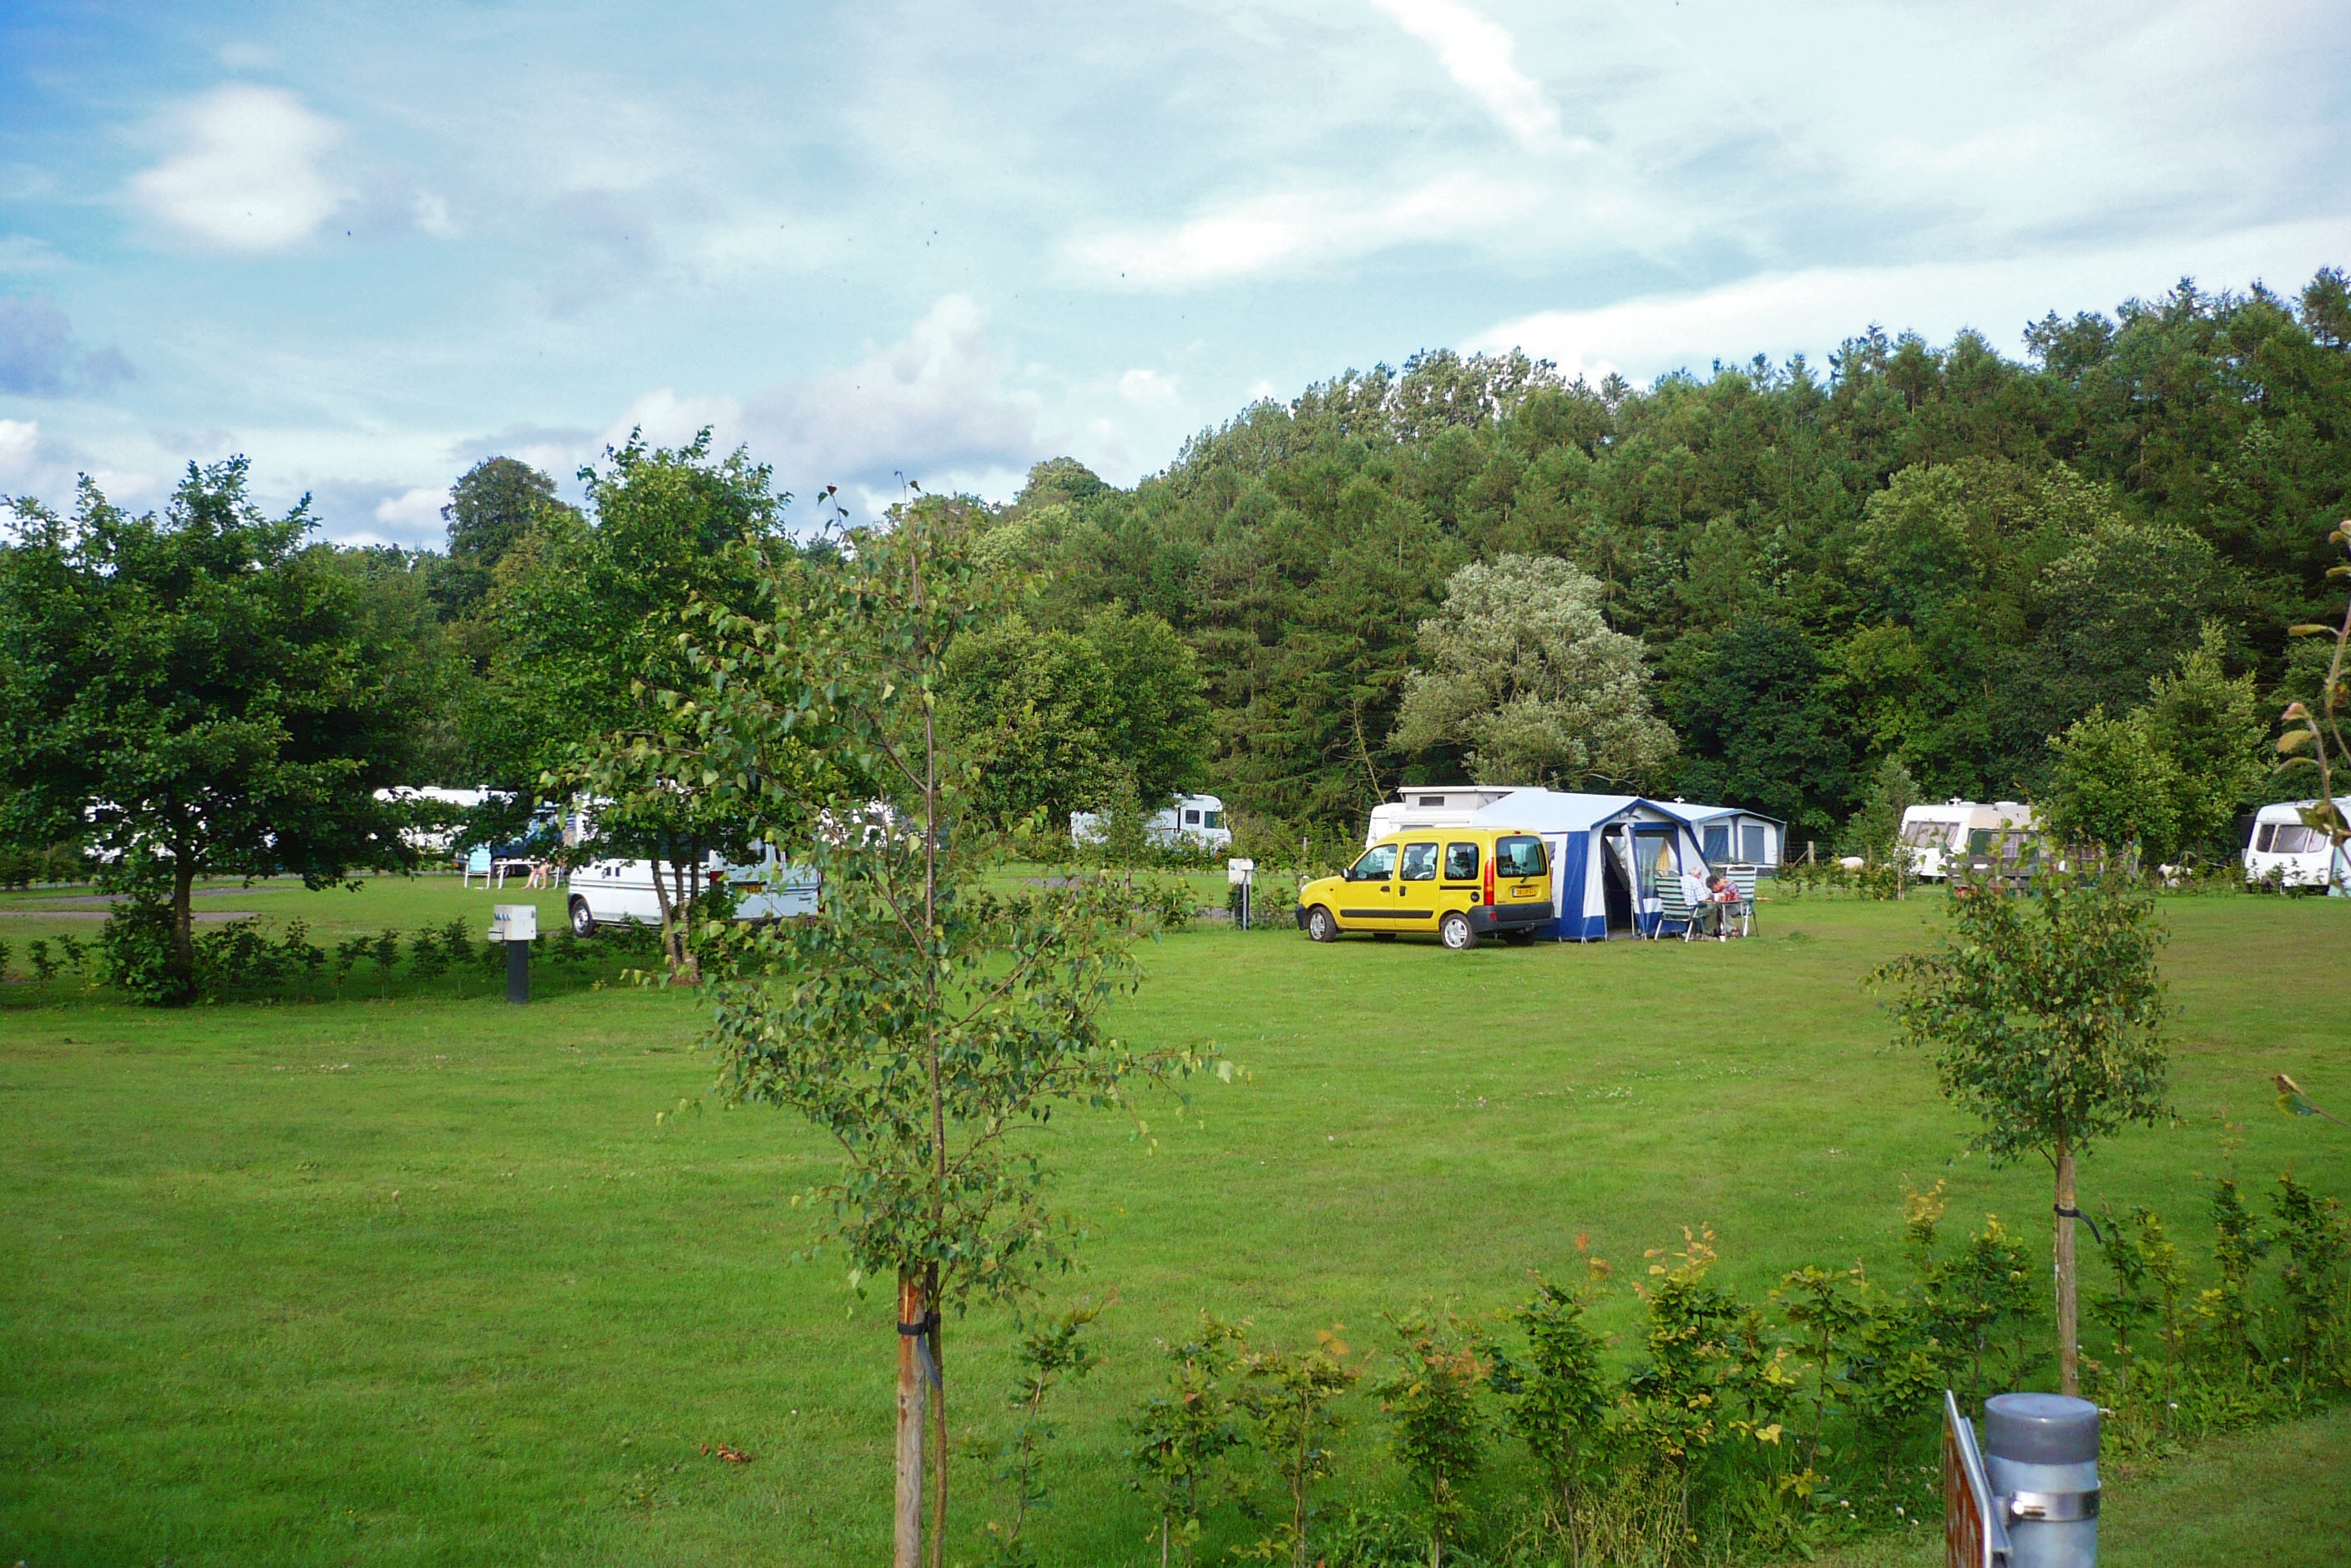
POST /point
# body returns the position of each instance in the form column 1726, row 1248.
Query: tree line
column 1764, row 586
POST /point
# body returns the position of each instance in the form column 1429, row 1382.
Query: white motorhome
column 619, row 891
column 1197, row 819
column 1934, row 837
column 1431, row 806
column 2283, row 849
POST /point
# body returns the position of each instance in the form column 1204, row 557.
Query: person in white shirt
column 1706, row 915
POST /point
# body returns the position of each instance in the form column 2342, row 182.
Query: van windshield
column 1518, row 856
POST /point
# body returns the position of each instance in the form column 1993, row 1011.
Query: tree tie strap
column 927, row 1324
column 2062, row 1213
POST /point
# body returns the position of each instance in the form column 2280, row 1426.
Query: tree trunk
column 668, row 916
column 907, row 1550
column 2069, row 1374
column 939, row 1397
column 183, row 936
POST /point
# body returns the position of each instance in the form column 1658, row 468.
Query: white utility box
column 1240, row 873
column 513, row 923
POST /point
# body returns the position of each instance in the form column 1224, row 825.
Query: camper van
column 1936, row 838
column 1431, row 806
column 2285, row 851
column 621, row 891
column 1194, row 820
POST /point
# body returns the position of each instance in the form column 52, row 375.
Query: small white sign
column 513, row 923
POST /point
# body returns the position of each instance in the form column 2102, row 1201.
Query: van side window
column 1374, row 866
column 1461, row 863
column 1518, row 856
column 1419, row 863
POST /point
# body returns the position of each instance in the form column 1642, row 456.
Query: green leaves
column 2045, row 1015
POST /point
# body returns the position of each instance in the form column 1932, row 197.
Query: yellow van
column 1460, row 884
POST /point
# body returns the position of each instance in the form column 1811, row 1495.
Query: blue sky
column 367, row 246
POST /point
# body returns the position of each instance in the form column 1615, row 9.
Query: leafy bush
column 1743, row 1428
column 137, row 943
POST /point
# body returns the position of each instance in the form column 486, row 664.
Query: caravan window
column 1717, row 843
column 1419, row 863
column 2261, row 837
column 1751, row 844
column 1191, row 818
column 1374, row 866
column 1932, row 835
column 1461, row 863
column 2294, row 838
column 1212, row 819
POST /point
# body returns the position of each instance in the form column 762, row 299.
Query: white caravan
column 1197, row 819
column 2283, row 849
column 1934, row 837
column 621, row 891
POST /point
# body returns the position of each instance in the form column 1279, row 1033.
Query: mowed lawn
column 423, row 1280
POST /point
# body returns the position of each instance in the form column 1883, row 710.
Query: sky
column 368, row 246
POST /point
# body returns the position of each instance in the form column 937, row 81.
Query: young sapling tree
column 2046, row 1020
column 926, row 1026
column 1290, row 1402
column 1183, row 1434
column 1432, row 1398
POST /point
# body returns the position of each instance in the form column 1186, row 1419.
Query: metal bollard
column 2040, row 1455
column 517, row 925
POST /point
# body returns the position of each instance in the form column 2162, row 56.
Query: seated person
column 1706, row 915
column 1722, row 894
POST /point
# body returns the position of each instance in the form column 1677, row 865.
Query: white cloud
column 932, row 407
column 665, row 419
column 412, row 511
column 20, row 441
column 1814, row 310
column 431, row 213
column 1147, row 387
column 1275, row 233
column 247, row 174
column 1480, row 55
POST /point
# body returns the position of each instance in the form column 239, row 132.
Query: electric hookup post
column 2028, row 1497
column 517, row 925
column 1243, row 875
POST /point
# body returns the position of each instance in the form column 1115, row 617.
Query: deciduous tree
column 195, row 695
column 926, row 1027
column 2045, row 1017
column 1526, row 674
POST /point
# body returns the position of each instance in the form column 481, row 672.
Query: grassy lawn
column 420, row 1280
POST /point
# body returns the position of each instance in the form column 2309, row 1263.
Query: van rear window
column 1518, row 856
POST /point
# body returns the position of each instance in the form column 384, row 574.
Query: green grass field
column 421, row 1280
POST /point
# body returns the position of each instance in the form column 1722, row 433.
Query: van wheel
column 584, row 921
column 1320, row 925
column 1455, row 933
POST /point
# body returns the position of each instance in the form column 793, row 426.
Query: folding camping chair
column 1673, row 908
column 1742, row 877
column 478, row 864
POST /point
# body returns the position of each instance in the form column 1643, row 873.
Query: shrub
column 137, row 943
column 427, row 958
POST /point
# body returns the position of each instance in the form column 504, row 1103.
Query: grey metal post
column 517, row 971
column 2041, row 1454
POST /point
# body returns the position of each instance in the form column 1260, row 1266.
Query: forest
column 1939, row 558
